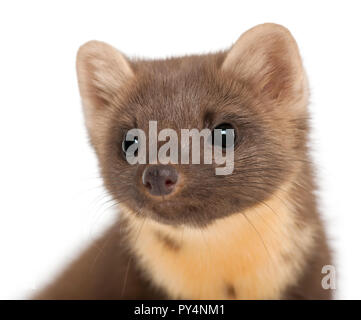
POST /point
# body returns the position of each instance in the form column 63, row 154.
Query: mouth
column 171, row 212
column 190, row 214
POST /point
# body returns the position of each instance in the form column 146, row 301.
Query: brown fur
column 253, row 234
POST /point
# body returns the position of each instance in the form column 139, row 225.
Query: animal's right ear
column 103, row 75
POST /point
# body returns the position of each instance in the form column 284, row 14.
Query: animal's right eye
column 130, row 145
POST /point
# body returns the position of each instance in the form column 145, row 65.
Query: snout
column 160, row 180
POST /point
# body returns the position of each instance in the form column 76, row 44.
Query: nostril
column 169, row 183
column 148, row 186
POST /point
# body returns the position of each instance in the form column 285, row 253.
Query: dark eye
column 220, row 134
column 130, row 145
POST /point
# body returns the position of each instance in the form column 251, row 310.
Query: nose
column 160, row 180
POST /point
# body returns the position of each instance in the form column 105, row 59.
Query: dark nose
column 160, row 180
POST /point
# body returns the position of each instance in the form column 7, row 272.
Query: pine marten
column 183, row 231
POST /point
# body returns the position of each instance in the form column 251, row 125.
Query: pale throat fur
column 255, row 254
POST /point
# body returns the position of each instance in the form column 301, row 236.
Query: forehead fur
column 183, row 92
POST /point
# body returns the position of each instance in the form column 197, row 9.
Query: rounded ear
column 267, row 57
column 103, row 73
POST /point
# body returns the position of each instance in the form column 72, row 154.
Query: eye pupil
column 225, row 130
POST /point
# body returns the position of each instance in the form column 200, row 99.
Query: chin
column 179, row 214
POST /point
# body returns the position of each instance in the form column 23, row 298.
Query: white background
column 51, row 199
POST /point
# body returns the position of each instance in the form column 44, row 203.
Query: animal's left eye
column 224, row 135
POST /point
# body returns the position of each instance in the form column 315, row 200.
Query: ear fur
column 103, row 74
column 267, row 57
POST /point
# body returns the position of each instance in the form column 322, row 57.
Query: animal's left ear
column 267, row 57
